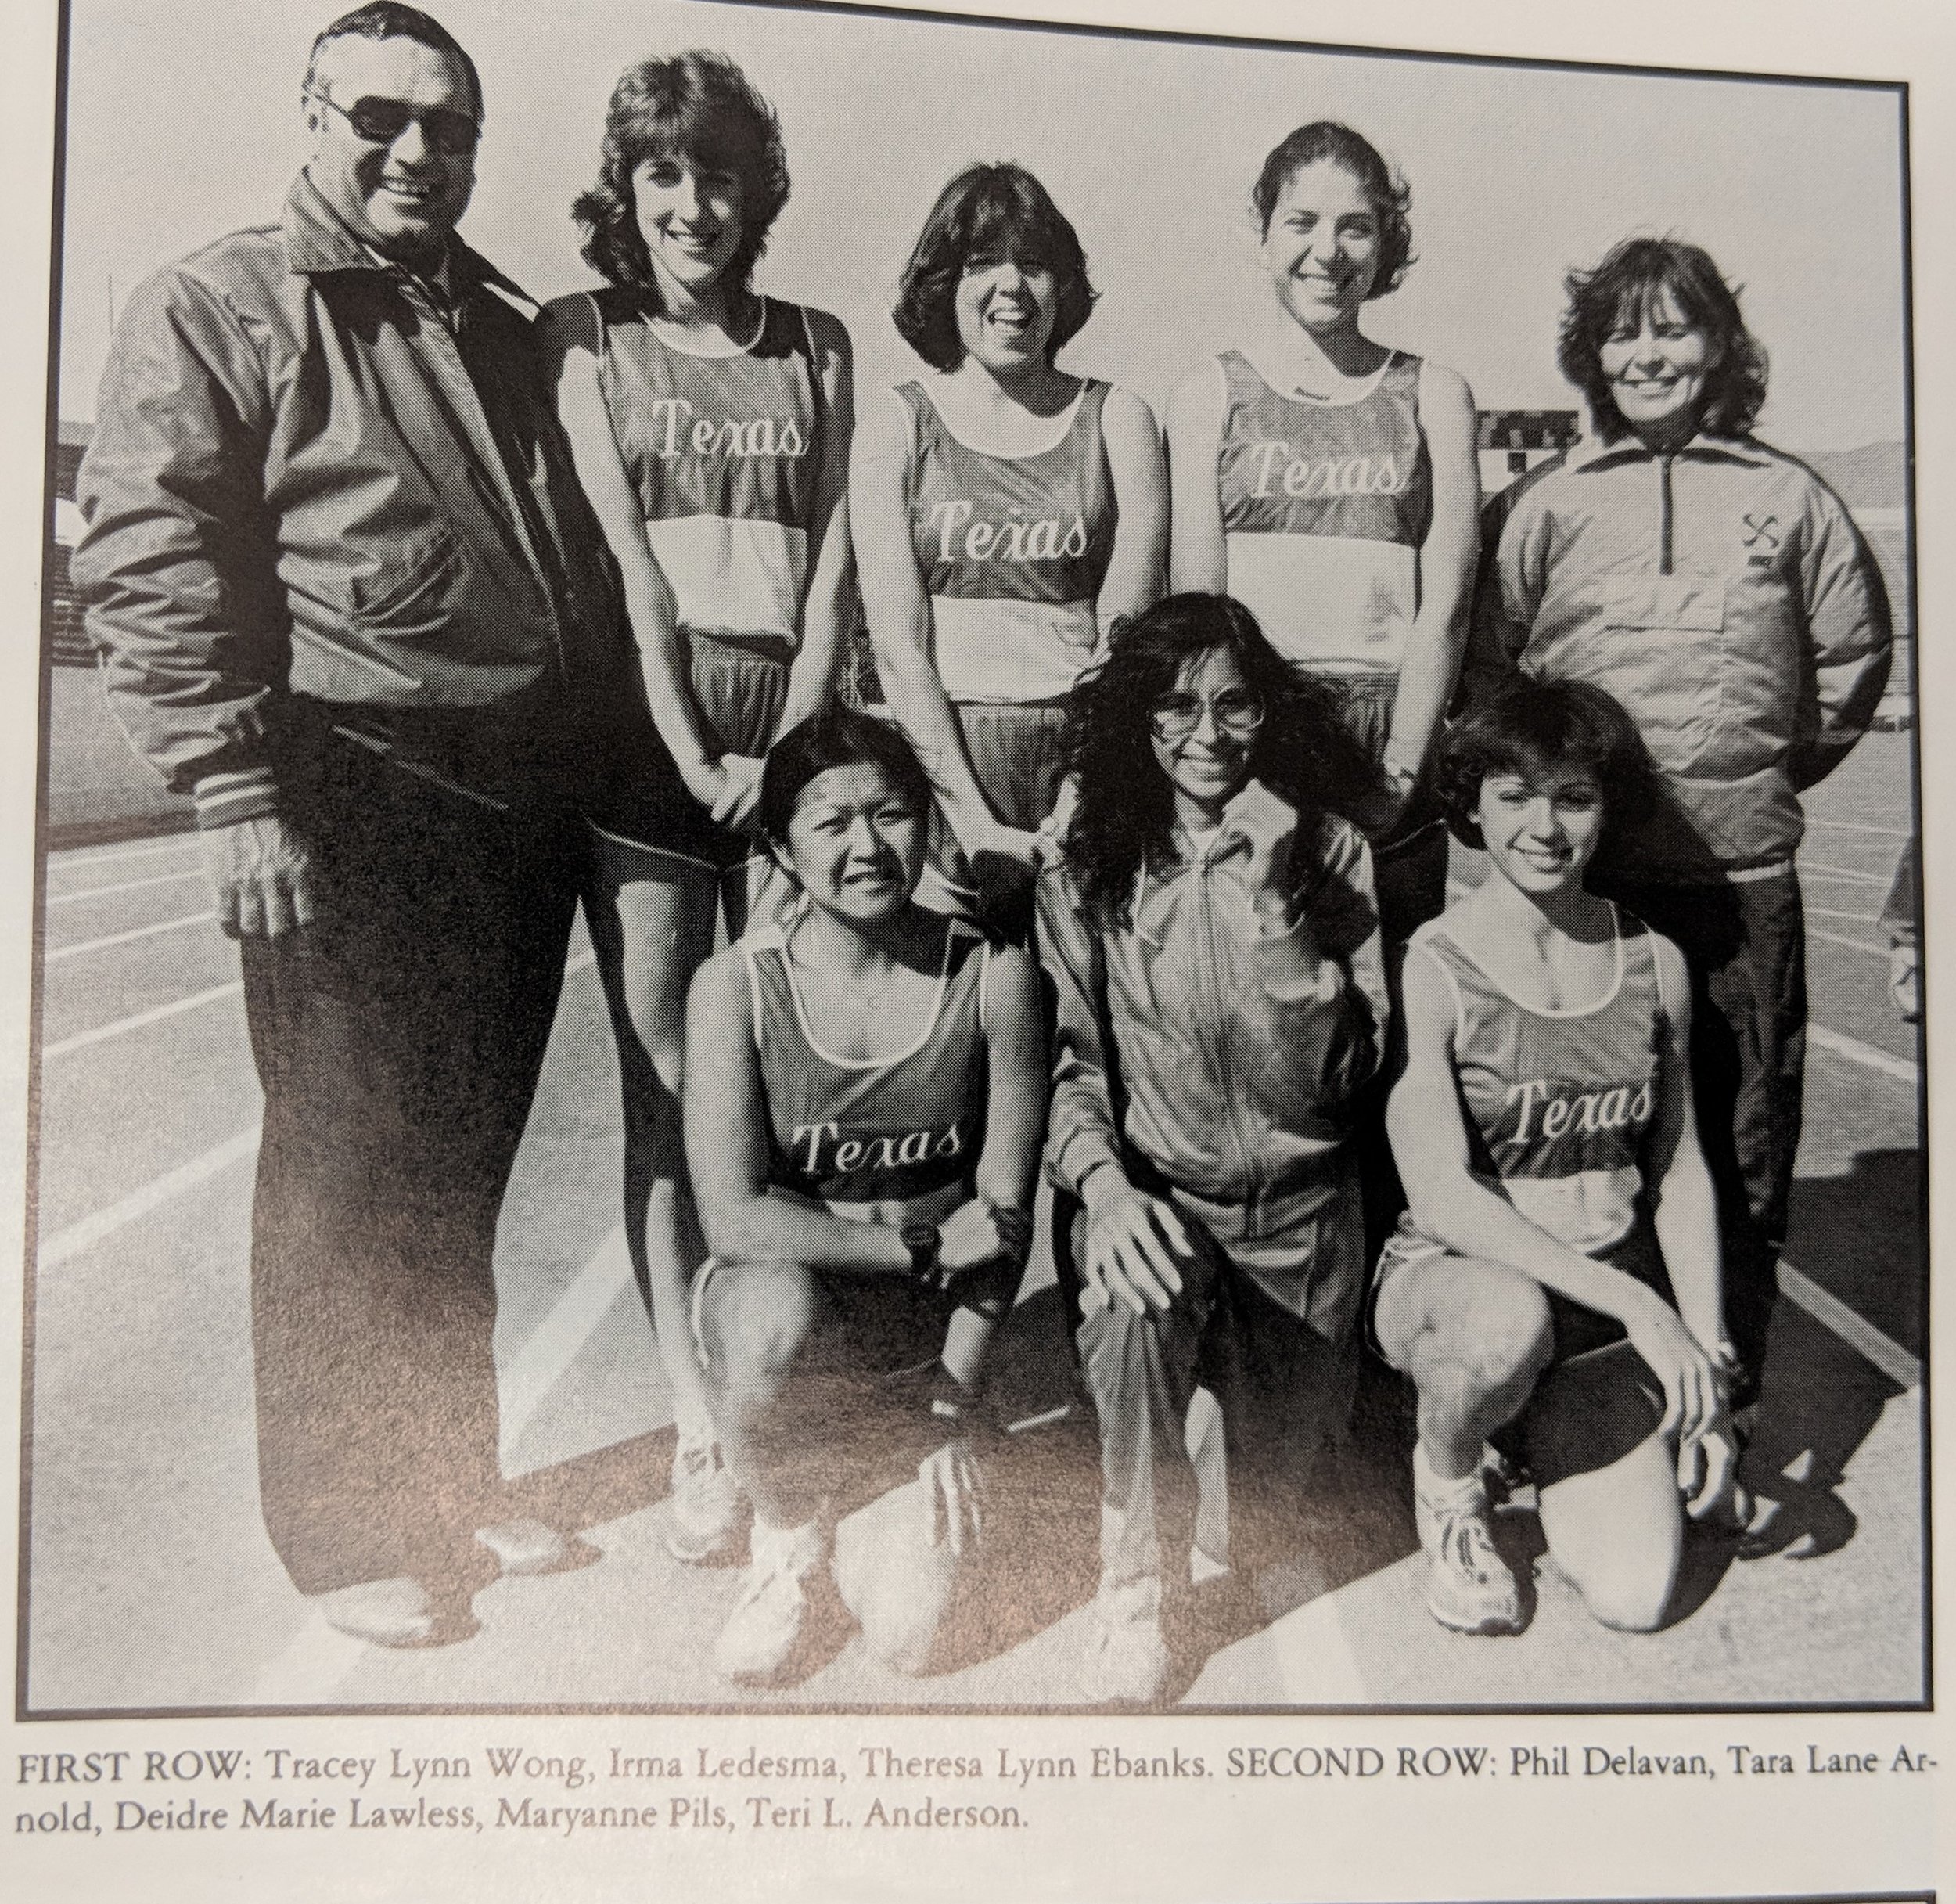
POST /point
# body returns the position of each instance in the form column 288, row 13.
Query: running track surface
column 152, row 1585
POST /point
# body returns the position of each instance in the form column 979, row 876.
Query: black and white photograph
column 891, row 863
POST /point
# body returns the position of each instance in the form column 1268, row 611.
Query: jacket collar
column 1592, row 453
column 1219, row 851
column 318, row 240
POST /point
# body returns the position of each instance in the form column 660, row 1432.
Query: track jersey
column 1013, row 550
column 1325, row 506
column 889, row 1139
column 725, row 454
column 1559, row 1104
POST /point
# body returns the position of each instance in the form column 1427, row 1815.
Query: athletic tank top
column 1324, row 508
column 891, row 1139
column 1013, row 550
column 724, row 453
column 1559, row 1104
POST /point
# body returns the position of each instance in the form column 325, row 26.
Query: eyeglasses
column 380, row 122
column 1177, row 716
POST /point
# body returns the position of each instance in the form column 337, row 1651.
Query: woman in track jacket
column 1719, row 589
column 1212, row 939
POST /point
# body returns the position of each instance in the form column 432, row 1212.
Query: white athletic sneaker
column 787, row 1590
column 709, row 1523
column 1470, row 1587
column 1128, row 1660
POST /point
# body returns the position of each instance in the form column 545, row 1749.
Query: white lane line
column 91, row 1229
column 103, row 892
column 1835, row 938
column 549, row 1350
column 67, row 861
column 1887, row 833
column 1809, row 868
column 123, row 938
column 1863, row 919
column 578, row 963
column 1904, row 1370
column 317, row 1660
column 1871, row 1055
column 138, row 1019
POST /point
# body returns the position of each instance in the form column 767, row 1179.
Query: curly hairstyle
column 1391, row 196
column 695, row 105
column 998, row 211
column 835, row 736
column 1635, row 276
column 1305, row 751
column 385, row 20
column 1537, row 728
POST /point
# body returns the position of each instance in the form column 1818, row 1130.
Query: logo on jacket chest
column 1549, row 1108
column 831, row 1149
column 1275, row 471
column 679, row 430
column 1019, row 538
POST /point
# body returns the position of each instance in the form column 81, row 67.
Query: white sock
column 1471, row 1486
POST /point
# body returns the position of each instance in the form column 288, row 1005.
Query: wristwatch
column 922, row 1241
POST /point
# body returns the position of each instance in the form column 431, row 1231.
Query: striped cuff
column 226, row 799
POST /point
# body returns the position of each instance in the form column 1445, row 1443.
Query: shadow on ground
column 1862, row 1237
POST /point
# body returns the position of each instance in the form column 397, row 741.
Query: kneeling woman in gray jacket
column 1212, row 938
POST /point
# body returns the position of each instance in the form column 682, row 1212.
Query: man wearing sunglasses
column 350, row 599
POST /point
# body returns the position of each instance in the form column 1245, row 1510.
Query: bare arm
column 726, row 1127
column 1684, row 1210
column 1015, row 1128
column 1197, row 554
column 1431, row 664
column 899, row 613
column 649, row 598
column 1133, row 578
column 1426, row 1124
column 824, row 610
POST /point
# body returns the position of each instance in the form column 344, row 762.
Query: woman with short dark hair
column 710, row 426
column 1720, row 592
column 865, row 1098
column 1212, row 944
column 1005, row 513
column 1557, row 1273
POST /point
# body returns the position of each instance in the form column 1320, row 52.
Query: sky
column 184, row 122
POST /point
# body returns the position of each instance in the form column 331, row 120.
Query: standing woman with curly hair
column 710, row 426
column 1331, row 485
column 1005, row 513
column 1212, row 942
column 1720, row 590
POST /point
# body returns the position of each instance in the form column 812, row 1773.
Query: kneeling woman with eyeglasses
column 865, row 1101
column 1212, row 941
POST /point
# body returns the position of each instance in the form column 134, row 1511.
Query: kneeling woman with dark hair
column 1558, row 1267
column 1212, row 941
column 865, row 1100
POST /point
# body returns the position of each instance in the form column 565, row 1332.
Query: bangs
column 1648, row 295
column 689, row 132
column 1537, row 760
column 1002, row 226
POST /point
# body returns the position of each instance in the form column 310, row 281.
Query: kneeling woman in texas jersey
column 1558, row 1270
column 865, row 1098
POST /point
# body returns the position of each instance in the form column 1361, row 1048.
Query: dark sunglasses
column 380, row 122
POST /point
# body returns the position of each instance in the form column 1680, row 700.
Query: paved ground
column 152, row 1584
